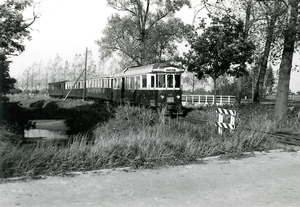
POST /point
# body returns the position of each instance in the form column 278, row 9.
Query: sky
column 68, row 27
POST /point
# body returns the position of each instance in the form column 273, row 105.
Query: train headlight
column 162, row 96
column 178, row 96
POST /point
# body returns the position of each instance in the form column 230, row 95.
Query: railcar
column 56, row 89
column 156, row 85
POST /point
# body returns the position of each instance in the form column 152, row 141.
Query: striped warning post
column 226, row 126
column 220, row 124
column 226, row 111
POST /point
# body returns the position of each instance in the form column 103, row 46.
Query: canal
column 47, row 129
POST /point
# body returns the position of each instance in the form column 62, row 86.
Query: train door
column 151, row 90
column 123, row 89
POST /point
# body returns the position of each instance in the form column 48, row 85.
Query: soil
column 264, row 179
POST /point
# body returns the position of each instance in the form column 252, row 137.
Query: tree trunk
column 239, row 90
column 286, row 61
column 259, row 86
column 243, row 65
column 215, row 91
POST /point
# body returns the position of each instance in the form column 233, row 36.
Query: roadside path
column 267, row 179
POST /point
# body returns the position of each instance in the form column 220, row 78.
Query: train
column 156, row 85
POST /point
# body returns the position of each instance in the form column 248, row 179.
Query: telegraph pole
column 84, row 81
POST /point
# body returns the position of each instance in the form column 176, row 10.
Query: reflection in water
column 43, row 133
column 49, row 129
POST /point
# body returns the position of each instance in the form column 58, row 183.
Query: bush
column 135, row 137
column 86, row 117
column 38, row 104
column 52, row 105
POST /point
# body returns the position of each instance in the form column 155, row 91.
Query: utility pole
column 84, row 81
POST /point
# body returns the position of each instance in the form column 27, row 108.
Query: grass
column 139, row 138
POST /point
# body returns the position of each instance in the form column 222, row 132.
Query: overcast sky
column 67, row 27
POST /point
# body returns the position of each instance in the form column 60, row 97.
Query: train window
column 160, row 79
column 127, row 82
column 132, row 82
column 170, row 81
column 177, row 81
column 152, row 81
column 144, row 81
column 138, row 82
column 116, row 83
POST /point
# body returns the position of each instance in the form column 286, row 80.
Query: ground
column 265, row 179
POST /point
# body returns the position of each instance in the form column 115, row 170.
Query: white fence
column 200, row 100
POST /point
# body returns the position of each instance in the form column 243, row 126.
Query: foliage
column 220, row 46
column 14, row 29
column 86, row 117
column 146, row 33
column 136, row 138
column 6, row 82
column 38, row 75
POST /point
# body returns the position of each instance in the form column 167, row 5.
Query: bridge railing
column 198, row 100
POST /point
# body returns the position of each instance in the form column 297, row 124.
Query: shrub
column 37, row 105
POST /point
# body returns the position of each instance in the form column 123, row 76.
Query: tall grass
column 136, row 137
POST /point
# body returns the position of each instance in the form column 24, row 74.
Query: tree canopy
column 14, row 29
column 219, row 48
column 145, row 32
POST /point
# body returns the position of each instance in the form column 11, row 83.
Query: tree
column 220, row 49
column 286, row 60
column 274, row 11
column 132, row 34
column 6, row 82
column 269, row 81
column 13, row 30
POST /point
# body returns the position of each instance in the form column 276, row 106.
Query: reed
column 139, row 138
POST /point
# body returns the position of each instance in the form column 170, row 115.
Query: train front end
column 168, row 88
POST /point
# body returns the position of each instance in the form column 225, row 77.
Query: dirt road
column 267, row 179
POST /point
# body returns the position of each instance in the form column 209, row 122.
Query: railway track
column 290, row 139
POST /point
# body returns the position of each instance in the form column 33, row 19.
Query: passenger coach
column 156, row 85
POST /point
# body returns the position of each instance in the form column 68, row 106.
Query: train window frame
column 144, row 81
column 138, row 82
column 177, row 81
column 170, row 81
column 152, row 81
column 160, row 77
column 132, row 82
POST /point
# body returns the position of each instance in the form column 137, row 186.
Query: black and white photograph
column 149, row 103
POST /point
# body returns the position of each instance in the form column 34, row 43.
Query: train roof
column 153, row 68
column 58, row 82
